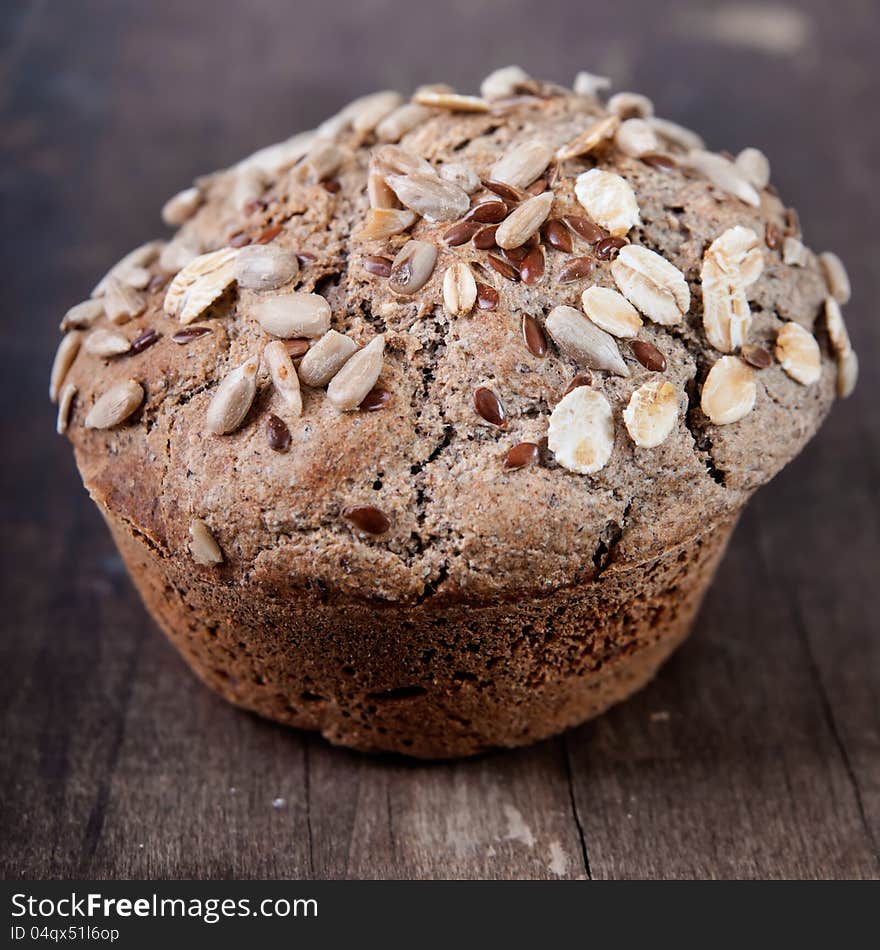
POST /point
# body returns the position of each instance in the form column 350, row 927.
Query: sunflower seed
column 292, row 315
column 533, row 336
column 350, row 386
column 504, row 82
column 524, row 221
column 588, row 84
column 459, row 289
column 581, row 431
column 648, row 355
column 181, row 207
column 265, row 267
column 651, row 413
column 381, row 223
column 239, row 239
column 629, row 104
column 675, row 134
column 82, row 315
column 202, row 546
column 729, row 391
column 521, row 455
column 489, row 407
column 394, row 160
column 611, row 312
column 531, row 267
column 103, row 342
column 487, row 297
column 722, row 173
column 64, row 357
column 367, row 518
column 324, row 360
column 412, row 267
column 135, row 261
column 431, row 197
column 590, row 139
column 651, row 284
column 121, row 302
column 635, row 138
column 200, row 284
column 584, row 342
column 726, row 313
column 835, row 275
column 608, row 199
column 65, row 404
column 250, row 183
column 178, row 253
column 576, row 268
column 798, row 353
column 282, row 372
column 754, row 166
column 232, row 399
column 460, row 174
column 115, row 405
column 794, row 252
column 367, row 112
column 450, row 100
column 522, row 164
column 403, row 119
column 837, row 332
column 323, row 160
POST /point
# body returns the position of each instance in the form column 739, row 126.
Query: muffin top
column 454, row 347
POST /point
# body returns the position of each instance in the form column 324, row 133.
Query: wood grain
column 756, row 753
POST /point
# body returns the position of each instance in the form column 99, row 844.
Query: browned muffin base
column 431, row 680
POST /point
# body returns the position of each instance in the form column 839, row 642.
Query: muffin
column 427, row 428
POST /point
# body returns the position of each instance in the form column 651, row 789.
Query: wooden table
column 757, row 750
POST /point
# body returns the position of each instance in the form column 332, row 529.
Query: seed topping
column 282, row 372
column 798, row 353
column 349, row 387
column 608, row 199
column 581, row 431
column 232, row 399
column 651, row 413
column 412, row 267
column 367, row 518
column 202, row 546
column 115, row 405
column 277, row 433
column 648, row 355
column 584, row 342
column 521, row 455
column 525, row 221
column 459, row 289
column 610, row 311
column 489, row 407
column 729, row 391
column 653, row 285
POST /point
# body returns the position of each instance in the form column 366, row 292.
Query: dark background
column 757, row 750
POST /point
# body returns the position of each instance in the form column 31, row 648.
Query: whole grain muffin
column 427, row 428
